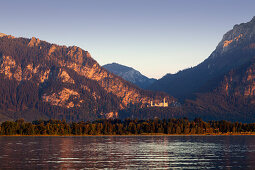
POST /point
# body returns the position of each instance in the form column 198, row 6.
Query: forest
column 125, row 127
column 24, row 98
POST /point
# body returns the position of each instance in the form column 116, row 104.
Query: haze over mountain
column 129, row 74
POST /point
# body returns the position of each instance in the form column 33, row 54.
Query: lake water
column 128, row 152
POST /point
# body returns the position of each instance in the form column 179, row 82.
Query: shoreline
column 138, row 135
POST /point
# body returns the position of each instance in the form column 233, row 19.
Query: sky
column 155, row 37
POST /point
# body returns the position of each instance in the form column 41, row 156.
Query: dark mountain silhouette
column 223, row 86
column 129, row 74
column 235, row 50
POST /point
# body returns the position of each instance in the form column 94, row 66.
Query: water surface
column 128, row 152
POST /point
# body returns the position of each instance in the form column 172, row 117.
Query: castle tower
column 165, row 104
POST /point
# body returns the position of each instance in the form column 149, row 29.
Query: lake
column 127, row 152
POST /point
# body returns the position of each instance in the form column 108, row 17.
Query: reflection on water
column 146, row 152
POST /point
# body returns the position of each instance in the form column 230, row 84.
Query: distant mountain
column 129, row 74
column 43, row 80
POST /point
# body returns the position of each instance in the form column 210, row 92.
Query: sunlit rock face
column 34, row 42
column 64, row 76
column 66, row 82
column 61, row 98
column 241, row 35
column 240, row 82
column 4, row 35
column 233, row 99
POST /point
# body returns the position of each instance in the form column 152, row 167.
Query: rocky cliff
column 233, row 99
column 61, row 82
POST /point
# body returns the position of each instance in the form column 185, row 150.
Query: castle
column 164, row 104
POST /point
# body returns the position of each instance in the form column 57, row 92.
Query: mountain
column 129, row 74
column 222, row 86
column 234, row 50
column 40, row 80
column 43, row 80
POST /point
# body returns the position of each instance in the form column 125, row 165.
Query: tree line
column 125, row 127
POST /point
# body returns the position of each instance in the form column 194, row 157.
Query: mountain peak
column 34, row 42
column 129, row 74
column 253, row 19
column 240, row 35
column 3, row 35
column 64, row 80
column 115, row 68
column 236, row 49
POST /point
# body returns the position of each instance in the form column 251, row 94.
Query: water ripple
column 150, row 152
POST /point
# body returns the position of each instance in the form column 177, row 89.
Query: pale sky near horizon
column 155, row 37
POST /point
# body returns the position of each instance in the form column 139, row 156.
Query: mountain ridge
column 39, row 79
column 129, row 74
column 223, row 85
column 66, row 82
column 225, row 57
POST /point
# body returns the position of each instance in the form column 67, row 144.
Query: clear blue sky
column 153, row 36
